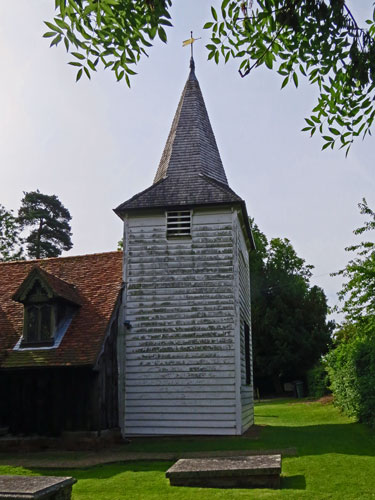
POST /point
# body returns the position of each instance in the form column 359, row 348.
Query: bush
column 351, row 369
column 317, row 381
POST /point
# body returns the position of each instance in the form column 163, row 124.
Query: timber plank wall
column 180, row 362
column 247, row 406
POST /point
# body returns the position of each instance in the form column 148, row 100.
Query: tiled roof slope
column 97, row 279
column 190, row 171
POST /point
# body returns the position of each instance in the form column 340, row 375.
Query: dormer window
column 179, row 224
column 38, row 324
column 49, row 305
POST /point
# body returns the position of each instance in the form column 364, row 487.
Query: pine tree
column 10, row 241
column 49, row 223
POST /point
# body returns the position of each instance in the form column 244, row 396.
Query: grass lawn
column 336, row 459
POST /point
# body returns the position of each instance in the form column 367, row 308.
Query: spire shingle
column 190, row 171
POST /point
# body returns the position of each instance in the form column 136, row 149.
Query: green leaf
column 285, row 82
column 78, row 55
column 61, row 23
column 162, row 34
column 56, row 40
column 268, row 59
column 334, row 131
column 79, row 74
column 295, row 79
column 208, row 25
column 214, row 14
column 53, row 27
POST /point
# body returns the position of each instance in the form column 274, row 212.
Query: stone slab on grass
column 36, row 487
column 262, row 471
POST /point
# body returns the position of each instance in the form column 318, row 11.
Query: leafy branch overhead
column 316, row 39
column 114, row 33
column 358, row 291
column 319, row 40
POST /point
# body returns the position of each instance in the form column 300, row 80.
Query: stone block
column 36, row 487
column 259, row 471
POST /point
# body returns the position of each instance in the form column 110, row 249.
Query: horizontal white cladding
column 183, row 364
column 179, row 373
column 217, row 398
column 179, row 419
column 182, row 355
column 162, row 375
column 184, row 407
column 185, row 430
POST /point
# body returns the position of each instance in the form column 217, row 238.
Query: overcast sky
column 96, row 143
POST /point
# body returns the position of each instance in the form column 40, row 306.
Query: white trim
column 58, row 338
column 237, row 324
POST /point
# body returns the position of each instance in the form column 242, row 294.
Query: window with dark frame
column 38, row 324
column 178, row 223
column 42, row 317
column 247, row 354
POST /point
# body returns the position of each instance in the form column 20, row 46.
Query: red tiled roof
column 97, row 278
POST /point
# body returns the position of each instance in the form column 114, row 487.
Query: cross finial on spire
column 190, row 42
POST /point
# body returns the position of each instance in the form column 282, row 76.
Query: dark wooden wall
column 47, row 401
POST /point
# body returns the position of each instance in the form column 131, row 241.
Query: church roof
column 93, row 280
column 190, row 170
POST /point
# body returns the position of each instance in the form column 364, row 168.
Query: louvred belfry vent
column 179, row 223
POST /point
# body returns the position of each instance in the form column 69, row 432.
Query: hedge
column 351, row 369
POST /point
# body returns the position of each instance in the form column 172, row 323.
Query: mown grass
column 336, row 459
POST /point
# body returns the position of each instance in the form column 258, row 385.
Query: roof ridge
column 65, row 257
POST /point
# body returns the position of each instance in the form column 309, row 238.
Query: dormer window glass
column 39, row 324
column 178, row 223
column 39, row 317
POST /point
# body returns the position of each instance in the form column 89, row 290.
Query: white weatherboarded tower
column 185, row 355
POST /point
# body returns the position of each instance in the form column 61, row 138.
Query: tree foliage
column 358, row 291
column 290, row 331
column 10, row 241
column 351, row 369
column 315, row 39
column 49, row 223
column 114, row 33
column 351, row 365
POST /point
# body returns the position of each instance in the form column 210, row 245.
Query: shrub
column 351, row 368
column 317, row 380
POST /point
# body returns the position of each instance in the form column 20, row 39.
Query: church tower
column 185, row 353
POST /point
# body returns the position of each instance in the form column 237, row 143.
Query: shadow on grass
column 293, row 483
column 348, row 439
column 105, row 471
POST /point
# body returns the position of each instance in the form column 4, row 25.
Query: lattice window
column 179, row 223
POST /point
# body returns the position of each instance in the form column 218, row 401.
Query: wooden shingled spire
column 190, row 171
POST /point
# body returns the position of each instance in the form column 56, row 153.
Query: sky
column 96, row 143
